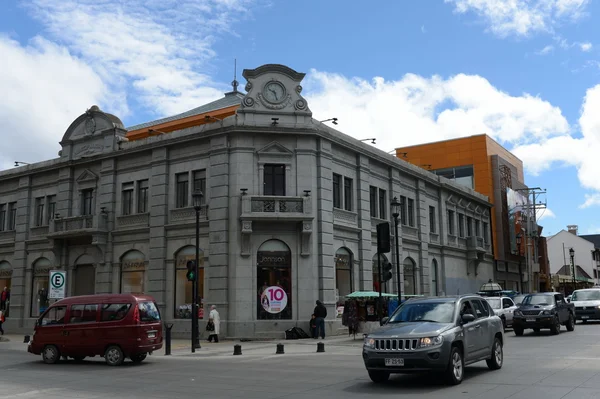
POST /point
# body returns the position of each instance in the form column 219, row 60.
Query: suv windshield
column 586, row 296
column 495, row 303
column 544, row 300
column 437, row 312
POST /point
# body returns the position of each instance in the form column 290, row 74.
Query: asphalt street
column 535, row 366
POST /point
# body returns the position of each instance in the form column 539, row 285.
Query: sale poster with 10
column 274, row 299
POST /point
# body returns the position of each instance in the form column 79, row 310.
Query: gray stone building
column 289, row 202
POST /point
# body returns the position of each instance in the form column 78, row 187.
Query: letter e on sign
column 58, row 279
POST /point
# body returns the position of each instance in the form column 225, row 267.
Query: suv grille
column 531, row 312
column 396, row 344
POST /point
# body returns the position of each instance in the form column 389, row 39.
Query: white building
column 559, row 255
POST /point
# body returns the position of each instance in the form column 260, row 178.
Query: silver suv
column 435, row 334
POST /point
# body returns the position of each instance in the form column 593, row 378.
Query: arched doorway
column 183, row 288
column 384, row 259
column 84, row 282
column 274, row 280
column 133, row 272
column 343, row 274
column 434, row 278
column 410, row 284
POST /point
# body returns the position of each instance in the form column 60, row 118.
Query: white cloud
column 591, row 200
column 522, row 17
column 423, row 30
column 46, row 88
column 585, row 47
column 151, row 50
column 417, row 109
column 545, row 213
column 546, row 50
column 579, row 152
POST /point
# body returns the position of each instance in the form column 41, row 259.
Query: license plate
column 585, row 317
column 394, row 362
column 530, row 320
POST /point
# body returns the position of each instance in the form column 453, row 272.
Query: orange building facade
column 479, row 162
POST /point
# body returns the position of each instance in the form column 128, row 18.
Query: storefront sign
column 276, row 259
column 6, row 272
column 182, row 260
column 58, row 281
column 274, row 299
column 41, row 271
column 138, row 264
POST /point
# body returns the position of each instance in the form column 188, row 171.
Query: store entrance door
column 85, row 280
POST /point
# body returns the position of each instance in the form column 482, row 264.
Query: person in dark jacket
column 313, row 326
column 320, row 313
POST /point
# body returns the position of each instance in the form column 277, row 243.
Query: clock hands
column 274, row 93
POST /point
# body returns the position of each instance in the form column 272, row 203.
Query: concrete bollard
column 280, row 350
column 26, row 339
column 320, row 347
column 237, row 350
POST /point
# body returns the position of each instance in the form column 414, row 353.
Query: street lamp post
column 572, row 254
column 396, row 213
column 197, row 197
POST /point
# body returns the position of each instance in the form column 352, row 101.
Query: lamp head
column 197, row 198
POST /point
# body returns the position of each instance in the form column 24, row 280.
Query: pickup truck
column 544, row 310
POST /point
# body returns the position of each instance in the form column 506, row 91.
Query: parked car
column 544, row 310
column 518, row 299
column 587, row 304
column 435, row 334
column 116, row 326
column 503, row 307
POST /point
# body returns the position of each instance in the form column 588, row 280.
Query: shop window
column 274, row 180
column 5, row 285
column 375, row 268
column 343, row 274
column 410, row 283
column 133, row 272
column 274, row 281
column 183, row 287
column 39, row 291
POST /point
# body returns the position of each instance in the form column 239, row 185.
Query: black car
column 544, row 310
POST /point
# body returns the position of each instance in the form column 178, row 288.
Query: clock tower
column 273, row 91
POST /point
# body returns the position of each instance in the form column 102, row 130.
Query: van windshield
column 148, row 312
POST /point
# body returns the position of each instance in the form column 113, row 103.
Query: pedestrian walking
column 320, row 313
column 214, row 317
column 4, row 298
column 2, row 319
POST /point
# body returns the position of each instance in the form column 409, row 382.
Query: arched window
column 434, row 278
column 133, row 272
column 5, row 280
column 39, row 291
column 343, row 273
column 376, row 271
column 183, row 287
column 409, row 277
column 274, row 280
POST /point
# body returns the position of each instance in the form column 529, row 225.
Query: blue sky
column 525, row 72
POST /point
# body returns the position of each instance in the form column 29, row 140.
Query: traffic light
column 191, row 270
column 386, row 271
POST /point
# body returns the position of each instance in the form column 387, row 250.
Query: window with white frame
column 127, row 198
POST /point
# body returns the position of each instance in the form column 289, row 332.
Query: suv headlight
column 430, row 341
column 369, row 343
column 517, row 313
column 547, row 312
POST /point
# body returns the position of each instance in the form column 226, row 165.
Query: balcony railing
column 259, row 207
column 76, row 225
column 475, row 243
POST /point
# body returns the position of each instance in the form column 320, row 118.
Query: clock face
column 274, row 92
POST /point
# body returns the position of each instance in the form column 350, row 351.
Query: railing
column 276, row 207
column 139, row 219
column 283, row 204
column 72, row 225
column 475, row 243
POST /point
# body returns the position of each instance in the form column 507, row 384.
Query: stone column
column 363, row 208
column 218, row 268
column 159, row 195
column 395, row 188
column 422, row 219
column 22, row 225
column 107, row 197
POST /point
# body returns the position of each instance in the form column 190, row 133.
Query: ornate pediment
column 274, row 88
column 274, row 148
column 451, row 199
column 87, row 176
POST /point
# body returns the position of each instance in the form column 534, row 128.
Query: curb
column 2, row 339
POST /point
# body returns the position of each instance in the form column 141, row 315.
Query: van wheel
column 138, row 358
column 114, row 356
column 50, row 354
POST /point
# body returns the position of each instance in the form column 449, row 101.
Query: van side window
column 83, row 313
column 55, row 315
column 148, row 312
column 114, row 311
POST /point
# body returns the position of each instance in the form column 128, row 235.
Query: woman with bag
column 214, row 322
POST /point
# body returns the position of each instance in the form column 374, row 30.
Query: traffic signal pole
column 379, row 303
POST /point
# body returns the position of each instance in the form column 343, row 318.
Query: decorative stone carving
column 281, row 105
column 246, row 235
column 248, row 101
column 298, row 89
column 141, row 219
column 187, row 214
column 300, row 105
column 307, row 228
column 248, row 87
column 340, row 215
column 90, row 125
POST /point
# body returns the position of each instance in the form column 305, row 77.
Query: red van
column 115, row 326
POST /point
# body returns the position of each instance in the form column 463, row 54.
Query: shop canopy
column 369, row 294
